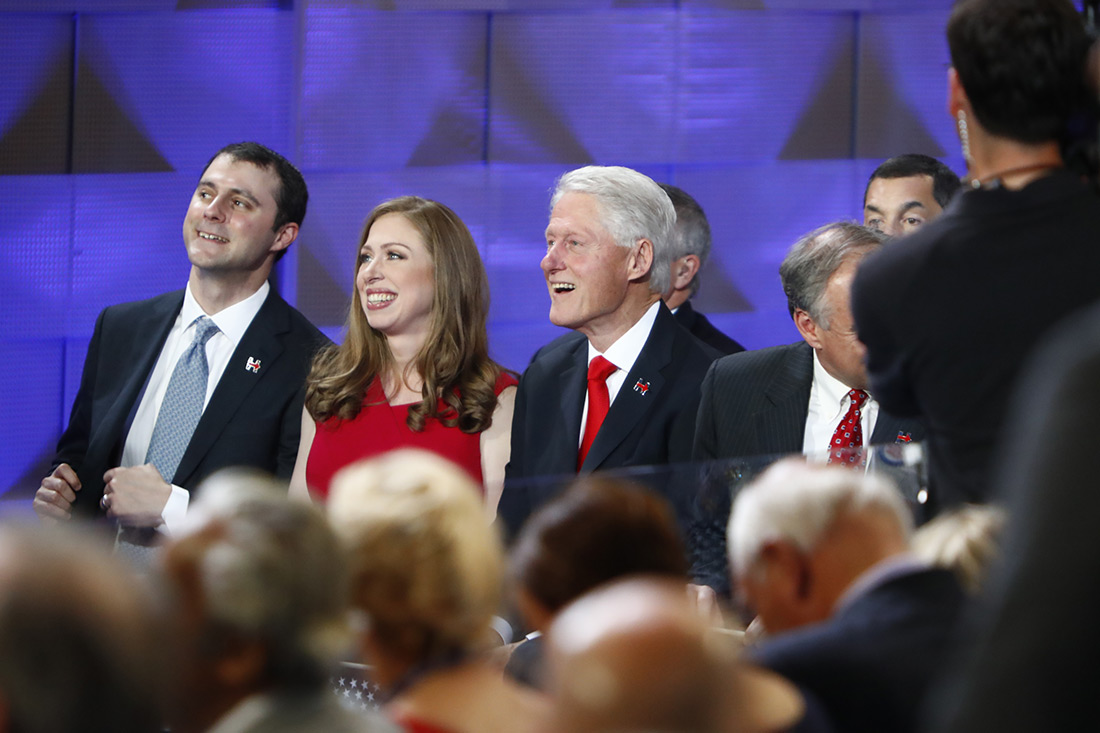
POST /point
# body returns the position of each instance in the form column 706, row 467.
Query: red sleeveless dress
column 380, row 427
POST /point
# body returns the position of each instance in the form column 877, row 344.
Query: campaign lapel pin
column 903, row 437
column 641, row 386
column 253, row 365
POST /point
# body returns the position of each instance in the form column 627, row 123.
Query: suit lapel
column 887, row 428
column 631, row 405
column 262, row 344
column 784, row 426
column 573, row 380
column 157, row 320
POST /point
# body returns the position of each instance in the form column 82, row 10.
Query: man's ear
column 957, row 98
column 808, row 327
column 684, row 270
column 641, row 260
column 284, row 237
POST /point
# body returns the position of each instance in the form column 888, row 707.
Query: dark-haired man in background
column 906, row 192
column 185, row 383
column 690, row 250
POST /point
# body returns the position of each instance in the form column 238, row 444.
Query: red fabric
column 380, row 427
column 599, row 401
column 849, row 433
column 412, row 725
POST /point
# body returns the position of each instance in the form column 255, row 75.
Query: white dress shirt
column 232, row 322
column 829, row 403
column 623, row 353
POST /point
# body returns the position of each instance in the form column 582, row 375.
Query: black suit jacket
column 651, row 421
column 872, row 663
column 705, row 331
column 756, row 403
column 252, row 419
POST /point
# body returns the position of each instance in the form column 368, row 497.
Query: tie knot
column 205, row 329
column 599, row 369
column 858, row 397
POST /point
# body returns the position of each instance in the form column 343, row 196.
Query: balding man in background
column 821, row 553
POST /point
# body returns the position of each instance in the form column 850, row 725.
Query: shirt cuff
column 175, row 510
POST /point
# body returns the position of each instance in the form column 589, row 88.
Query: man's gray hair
column 273, row 572
column 632, row 206
column 815, row 257
column 692, row 236
column 797, row 502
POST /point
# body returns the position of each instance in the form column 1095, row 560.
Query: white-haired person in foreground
column 821, row 553
column 261, row 589
column 427, row 575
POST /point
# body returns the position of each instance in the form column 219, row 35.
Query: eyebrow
column 905, row 207
column 234, row 191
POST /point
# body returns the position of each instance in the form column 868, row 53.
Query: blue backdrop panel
column 35, row 264
column 903, row 87
column 388, row 90
column 759, row 86
column 35, row 88
column 121, row 258
column 756, row 213
column 31, row 371
column 583, row 87
column 164, row 91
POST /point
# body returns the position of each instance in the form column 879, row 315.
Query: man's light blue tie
column 182, row 405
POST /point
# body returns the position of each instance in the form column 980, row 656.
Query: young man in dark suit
column 821, row 553
column 183, row 384
column 623, row 390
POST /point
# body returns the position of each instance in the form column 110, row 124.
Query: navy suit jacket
column 651, row 421
column 872, row 664
column 252, row 419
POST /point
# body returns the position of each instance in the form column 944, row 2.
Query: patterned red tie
column 849, row 433
column 599, row 369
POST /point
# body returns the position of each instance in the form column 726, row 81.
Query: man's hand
column 55, row 496
column 135, row 496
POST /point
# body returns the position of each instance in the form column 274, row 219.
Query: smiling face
column 395, row 280
column 896, row 206
column 228, row 227
column 593, row 282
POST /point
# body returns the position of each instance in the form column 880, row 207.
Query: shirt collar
column 624, row 352
column 232, row 321
column 830, row 390
column 895, row 566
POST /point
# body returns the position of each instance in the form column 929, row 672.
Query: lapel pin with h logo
column 641, row 386
column 253, row 365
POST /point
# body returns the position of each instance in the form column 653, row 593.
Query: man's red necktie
column 599, row 369
column 849, row 433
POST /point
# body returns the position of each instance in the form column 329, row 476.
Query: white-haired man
column 821, row 553
column 624, row 389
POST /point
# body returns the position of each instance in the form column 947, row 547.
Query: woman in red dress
column 414, row 369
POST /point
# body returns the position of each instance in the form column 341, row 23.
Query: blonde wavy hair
column 426, row 567
column 454, row 362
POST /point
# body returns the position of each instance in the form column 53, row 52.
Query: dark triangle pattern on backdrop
column 887, row 125
column 37, row 142
column 825, row 128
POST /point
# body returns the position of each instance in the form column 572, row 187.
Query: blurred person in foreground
column 949, row 318
column 906, row 192
column 414, row 369
column 595, row 531
column 635, row 655
column 821, row 553
column 261, row 591
column 690, row 251
column 427, row 576
column 81, row 651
